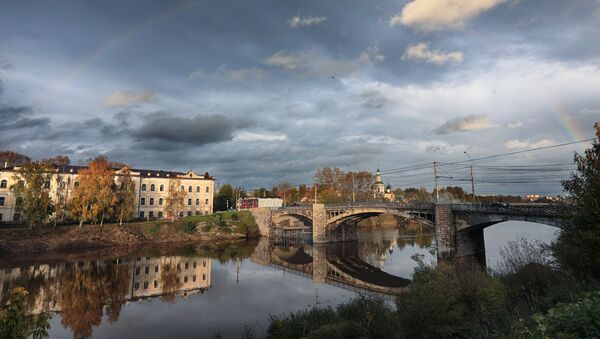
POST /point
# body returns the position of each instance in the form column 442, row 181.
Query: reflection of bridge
column 336, row 264
column 459, row 227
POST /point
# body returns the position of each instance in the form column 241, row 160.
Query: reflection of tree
column 84, row 292
column 169, row 277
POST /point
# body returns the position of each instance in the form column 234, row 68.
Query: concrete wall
column 445, row 231
column 263, row 218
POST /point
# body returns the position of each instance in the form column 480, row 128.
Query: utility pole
column 472, row 178
column 437, row 192
column 353, row 189
column 315, row 189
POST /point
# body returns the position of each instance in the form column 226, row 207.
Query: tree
column 34, row 204
column 125, row 196
column 578, row 242
column 15, row 324
column 175, row 200
column 11, row 158
column 58, row 161
column 94, row 197
column 224, row 198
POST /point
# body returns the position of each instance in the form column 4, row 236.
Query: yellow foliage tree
column 94, row 196
column 175, row 201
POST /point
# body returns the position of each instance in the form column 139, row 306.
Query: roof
column 74, row 169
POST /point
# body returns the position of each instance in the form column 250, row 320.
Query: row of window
column 156, row 267
column 160, row 201
column 160, row 214
column 161, row 188
column 155, row 283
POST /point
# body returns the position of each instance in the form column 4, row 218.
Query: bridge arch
column 366, row 213
column 305, row 219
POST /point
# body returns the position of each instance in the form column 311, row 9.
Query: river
column 218, row 291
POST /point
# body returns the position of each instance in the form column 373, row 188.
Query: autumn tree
column 58, row 161
column 578, row 242
column 175, row 200
column 93, row 198
column 11, row 158
column 125, row 196
column 34, row 203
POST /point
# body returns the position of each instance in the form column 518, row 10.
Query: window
column 147, row 270
column 198, row 189
column 203, row 263
column 160, row 201
column 76, row 184
column 152, row 188
column 207, row 189
column 189, row 202
column 185, row 279
column 181, row 214
column 197, row 212
column 187, row 265
column 2, row 201
column 161, row 188
column 0, row 216
column 194, row 278
column 179, row 267
column 190, row 189
column 141, row 214
column 206, row 201
column 182, row 188
column 145, row 285
column 137, row 271
column 150, row 214
column 160, row 215
column 189, row 214
column 156, row 269
column 194, row 264
column 197, row 201
column 205, row 212
column 143, row 187
column 155, row 284
column 151, row 201
column 143, row 201
column 203, row 276
column 3, row 183
column 47, row 185
column 137, row 286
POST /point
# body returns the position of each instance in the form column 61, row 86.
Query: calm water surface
column 198, row 292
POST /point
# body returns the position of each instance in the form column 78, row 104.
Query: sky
column 263, row 92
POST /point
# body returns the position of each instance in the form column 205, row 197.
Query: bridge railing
column 418, row 206
column 548, row 210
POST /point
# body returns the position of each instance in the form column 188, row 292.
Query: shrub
column 579, row 319
column 188, row 226
column 154, row 228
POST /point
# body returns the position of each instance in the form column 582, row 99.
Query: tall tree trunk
column 80, row 222
column 121, row 218
column 102, row 220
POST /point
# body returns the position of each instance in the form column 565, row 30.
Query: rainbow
column 119, row 39
column 568, row 125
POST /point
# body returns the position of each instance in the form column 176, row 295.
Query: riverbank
column 189, row 230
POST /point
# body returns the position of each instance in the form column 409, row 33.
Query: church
column 380, row 191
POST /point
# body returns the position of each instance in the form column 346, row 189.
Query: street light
column 472, row 178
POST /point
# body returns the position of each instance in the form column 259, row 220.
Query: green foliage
column 578, row 243
column 15, row 324
column 188, row 225
column 579, row 319
column 224, row 198
column 153, row 228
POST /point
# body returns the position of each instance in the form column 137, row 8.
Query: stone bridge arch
column 338, row 217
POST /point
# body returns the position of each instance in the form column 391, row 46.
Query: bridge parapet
column 545, row 211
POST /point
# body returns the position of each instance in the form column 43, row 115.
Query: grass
column 222, row 222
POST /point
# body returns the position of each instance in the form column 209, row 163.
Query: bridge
column 458, row 227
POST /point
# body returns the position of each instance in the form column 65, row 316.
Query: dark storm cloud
column 198, row 130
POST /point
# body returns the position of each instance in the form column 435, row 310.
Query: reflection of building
column 151, row 188
column 126, row 279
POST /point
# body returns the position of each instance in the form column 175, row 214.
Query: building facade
column 151, row 191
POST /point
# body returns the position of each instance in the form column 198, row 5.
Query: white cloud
column 422, row 52
column 311, row 63
column 590, row 111
column 123, row 98
column 229, row 74
column 467, row 123
column 259, row 136
column 515, row 124
column 434, row 15
column 371, row 55
column 517, row 144
column 297, row 21
column 289, row 61
column 371, row 139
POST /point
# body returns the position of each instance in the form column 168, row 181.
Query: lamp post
column 472, row 178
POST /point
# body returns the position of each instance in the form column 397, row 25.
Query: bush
column 579, row 319
column 188, row 226
column 154, row 228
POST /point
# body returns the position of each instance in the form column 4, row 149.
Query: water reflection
column 89, row 295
